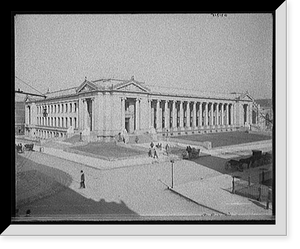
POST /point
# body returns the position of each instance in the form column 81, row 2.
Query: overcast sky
column 198, row 51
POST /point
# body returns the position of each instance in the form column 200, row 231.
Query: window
column 70, row 107
column 66, row 107
column 70, row 121
column 66, row 122
column 75, row 107
column 75, row 125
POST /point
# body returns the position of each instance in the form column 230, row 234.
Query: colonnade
column 179, row 115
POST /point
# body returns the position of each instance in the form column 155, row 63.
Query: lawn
column 225, row 138
column 108, row 150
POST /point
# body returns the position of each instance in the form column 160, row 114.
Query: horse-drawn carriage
column 20, row 148
column 191, row 153
column 255, row 160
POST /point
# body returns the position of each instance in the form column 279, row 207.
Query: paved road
column 120, row 191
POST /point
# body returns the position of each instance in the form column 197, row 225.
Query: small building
column 101, row 109
column 265, row 113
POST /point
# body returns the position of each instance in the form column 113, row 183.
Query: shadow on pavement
column 69, row 203
column 44, row 191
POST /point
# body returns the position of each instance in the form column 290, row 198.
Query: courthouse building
column 101, row 109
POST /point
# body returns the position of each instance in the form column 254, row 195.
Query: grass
column 108, row 150
column 225, row 138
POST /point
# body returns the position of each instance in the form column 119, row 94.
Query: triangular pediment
column 132, row 86
column 86, row 86
column 246, row 97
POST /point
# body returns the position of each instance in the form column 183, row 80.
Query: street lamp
column 233, row 183
column 172, row 163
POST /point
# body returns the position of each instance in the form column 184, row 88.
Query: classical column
column 194, row 115
column 174, row 115
column 158, row 115
column 233, row 114
column 181, row 115
column 227, row 114
column 123, row 113
column 250, row 113
column 206, row 113
column 137, row 112
column 211, row 114
column 86, row 124
column 200, row 115
column 166, row 115
column 217, row 114
column 188, row 115
column 149, row 113
column 152, row 114
column 93, row 113
column 222, row 114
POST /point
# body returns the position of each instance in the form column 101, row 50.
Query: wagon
column 19, row 148
column 258, row 158
column 234, row 164
column 29, row 147
column 194, row 153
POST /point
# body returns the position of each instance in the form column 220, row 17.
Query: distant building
column 101, row 109
column 265, row 113
column 19, row 117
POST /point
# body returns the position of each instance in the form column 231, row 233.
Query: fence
column 256, row 191
column 255, row 185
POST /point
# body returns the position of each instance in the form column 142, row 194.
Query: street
column 133, row 190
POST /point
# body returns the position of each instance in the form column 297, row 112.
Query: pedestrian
column 150, row 152
column 259, row 193
column 82, row 180
column 167, row 149
column 155, row 154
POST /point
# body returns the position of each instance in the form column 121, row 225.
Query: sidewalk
column 213, row 193
column 238, row 150
column 101, row 163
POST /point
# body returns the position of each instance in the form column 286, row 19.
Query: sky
column 225, row 54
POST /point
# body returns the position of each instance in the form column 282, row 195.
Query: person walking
column 167, row 149
column 155, row 154
column 82, row 180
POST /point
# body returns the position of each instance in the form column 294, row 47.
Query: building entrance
column 127, row 124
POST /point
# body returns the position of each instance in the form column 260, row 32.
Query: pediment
column 132, row 87
column 86, row 86
column 246, row 97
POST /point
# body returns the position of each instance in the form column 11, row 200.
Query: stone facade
column 102, row 109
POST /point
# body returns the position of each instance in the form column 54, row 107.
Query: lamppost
column 172, row 164
column 233, row 183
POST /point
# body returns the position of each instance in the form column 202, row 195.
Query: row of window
column 57, row 108
column 57, row 122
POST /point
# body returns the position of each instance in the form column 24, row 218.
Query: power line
column 28, row 85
